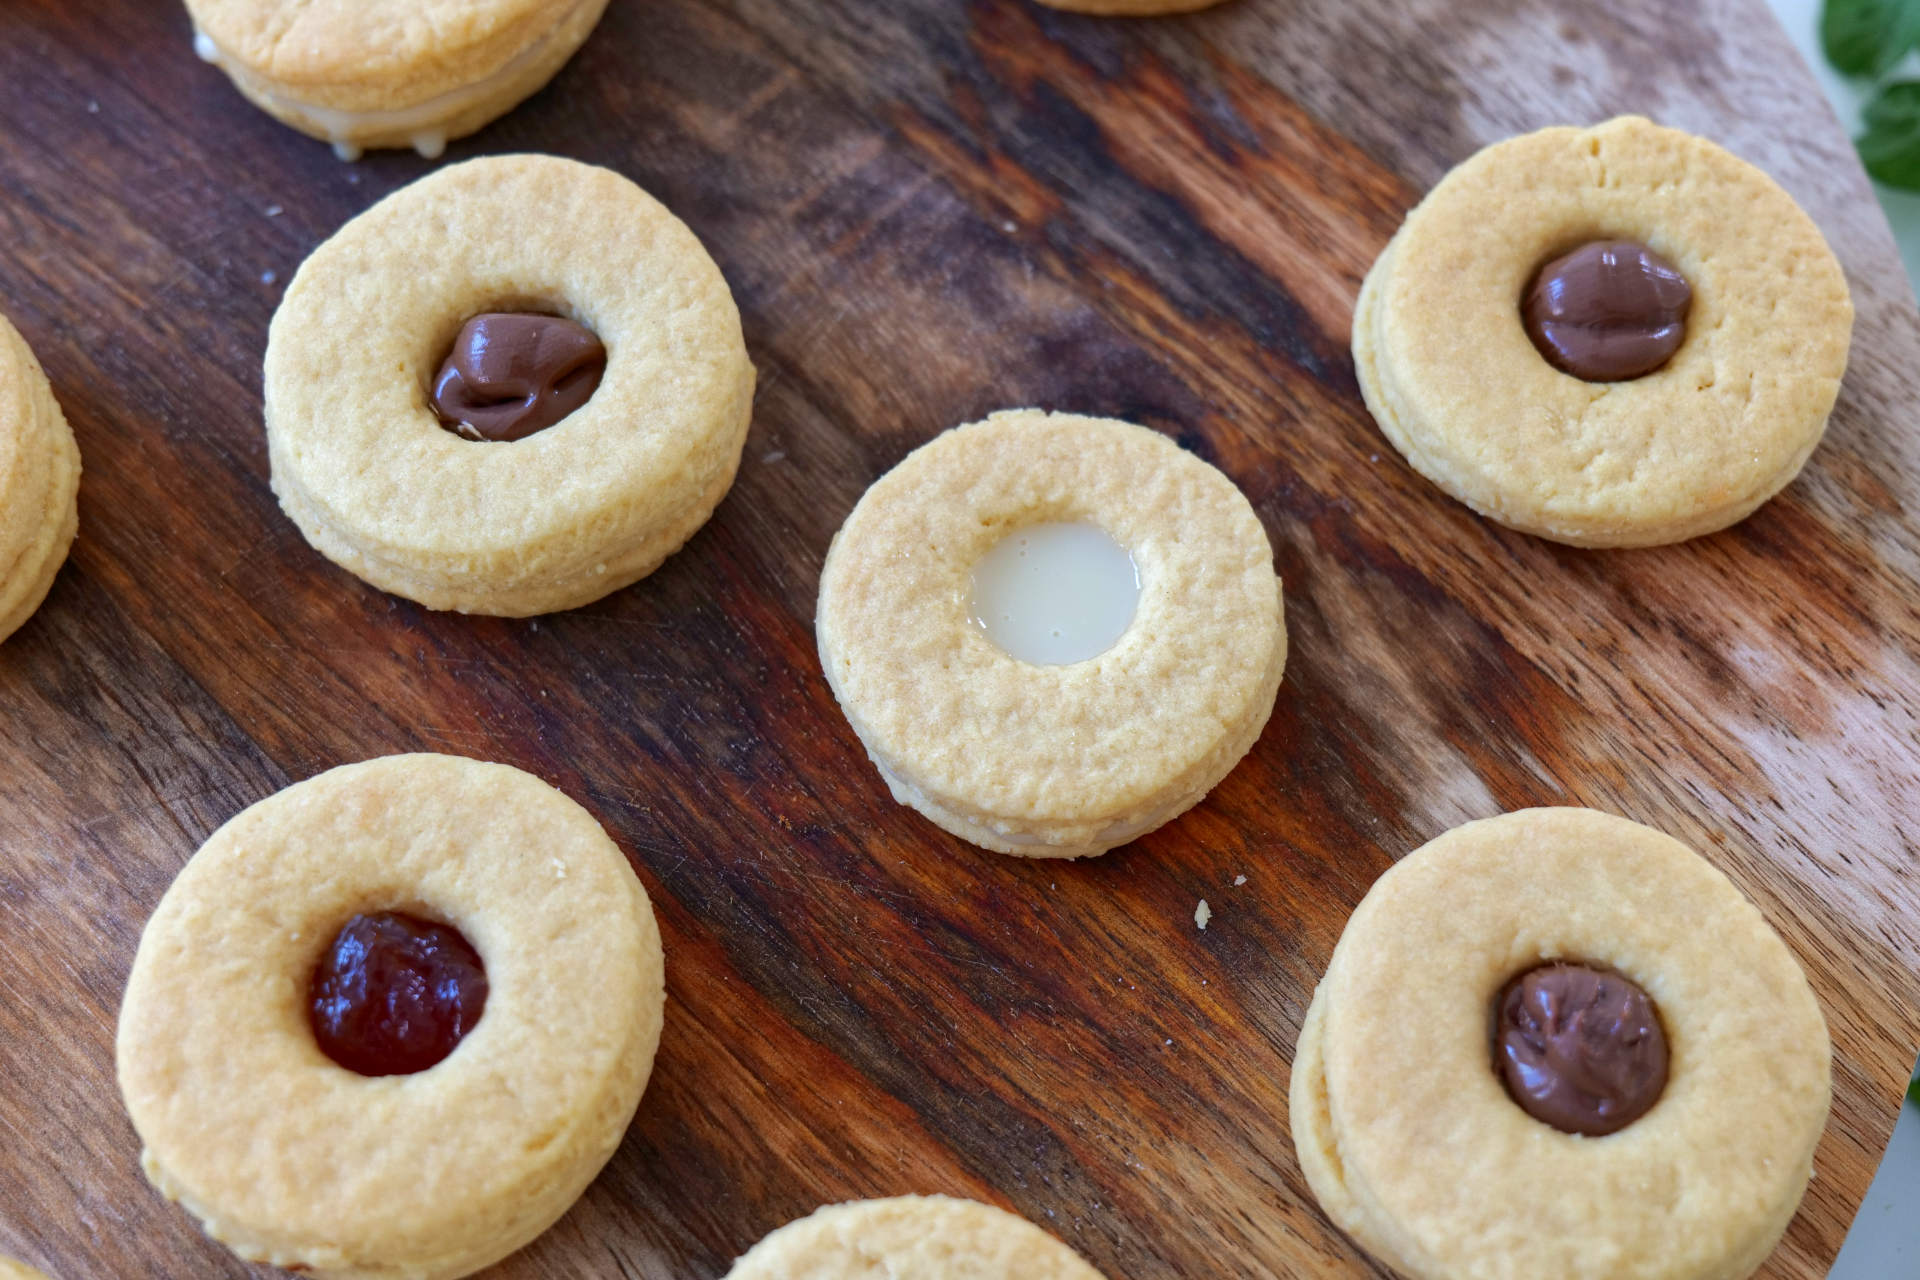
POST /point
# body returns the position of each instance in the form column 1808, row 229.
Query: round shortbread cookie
column 286, row 1157
column 561, row 518
column 390, row 73
column 1052, row 761
column 1449, row 371
column 1413, row 1146
column 39, row 483
column 925, row 1237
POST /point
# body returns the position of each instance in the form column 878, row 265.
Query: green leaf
column 1867, row 37
column 1913, row 1092
column 1890, row 139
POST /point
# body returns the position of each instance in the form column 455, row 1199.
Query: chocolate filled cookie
column 922, row 1237
column 1052, row 633
column 393, row 1020
column 390, row 73
column 511, row 388
column 39, row 483
column 1558, row 1043
column 1610, row 337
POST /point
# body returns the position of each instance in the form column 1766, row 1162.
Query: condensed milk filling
column 1055, row 594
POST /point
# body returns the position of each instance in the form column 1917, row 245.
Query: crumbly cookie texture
column 39, row 483
column 1052, row 761
column 1449, row 372
column 1411, row 1143
column 388, row 73
column 925, row 1237
column 288, row 1159
column 550, row 522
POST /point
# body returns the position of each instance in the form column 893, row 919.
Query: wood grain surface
column 930, row 209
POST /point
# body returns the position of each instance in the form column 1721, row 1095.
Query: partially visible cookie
column 11, row 1270
column 1053, row 755
column 39, row 483
column 390, row 73
column 1610, row 337
column 391, row 1021
column 1558, row 1043
column 382, row 404
column 922, row 1237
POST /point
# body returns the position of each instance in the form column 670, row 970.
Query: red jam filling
column 394, row 994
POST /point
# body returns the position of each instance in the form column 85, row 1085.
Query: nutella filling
column 1610, row 311
column 1579, row 1048
column 512, row 374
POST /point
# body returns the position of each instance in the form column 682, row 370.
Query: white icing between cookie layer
column 420, row 123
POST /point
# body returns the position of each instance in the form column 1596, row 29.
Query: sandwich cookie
column 39, row 483
column 511, row 388
column 393, row 1020
column 390, row 73
column 1558, row 1043
column 1052, row 633
column 925, row 1237
column 1609, row 337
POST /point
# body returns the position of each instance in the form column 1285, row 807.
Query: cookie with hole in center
column 1052, row 633
column 392, row 1020
column 1610, row 337
column 1558, row 1043
column 510, row 388
column 390, row 73
column 925, row 1237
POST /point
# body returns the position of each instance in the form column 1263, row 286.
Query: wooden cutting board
column 931, row 209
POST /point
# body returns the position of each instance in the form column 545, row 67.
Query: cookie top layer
column 925, row 1237
column 366, row 322
column 367, row 54
column 289, row 1157
column 1107, row 740
column 1686, row 449
column 1699, row 1186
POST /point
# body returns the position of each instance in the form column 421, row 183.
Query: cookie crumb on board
column 1202, row 914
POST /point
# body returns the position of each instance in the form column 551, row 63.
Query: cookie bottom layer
column 476, row 590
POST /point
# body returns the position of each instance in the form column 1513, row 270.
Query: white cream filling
column 1055, row 594
column 419, row 123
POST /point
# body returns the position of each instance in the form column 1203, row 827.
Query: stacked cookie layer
column 39, row 483
column 390, row 73
column 556, row 520
column 1414, row 1148
column 1052, row 761
column 288, row 1158
column 1456, row 384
